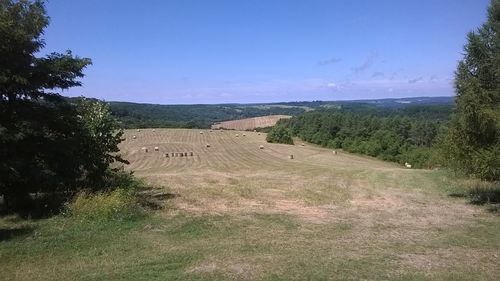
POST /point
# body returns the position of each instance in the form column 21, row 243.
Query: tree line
column 468, row 143
column 403, row 135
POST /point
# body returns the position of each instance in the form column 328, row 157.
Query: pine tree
column 472, row 143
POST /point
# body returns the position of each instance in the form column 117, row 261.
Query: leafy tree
column 472, row 144
column 102, row 136
column 279, row 134
column 45, row 146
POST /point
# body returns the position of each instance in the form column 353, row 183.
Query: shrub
column 119, row 205
column 279, row 134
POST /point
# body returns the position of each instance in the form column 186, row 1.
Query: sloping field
column 317, row 216
column 233, row 211
column 250, row 123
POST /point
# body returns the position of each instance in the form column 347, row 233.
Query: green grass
column 320, row 218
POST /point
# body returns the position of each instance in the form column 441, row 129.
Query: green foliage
column 133, row 115
column 472, row 144
column 279, row 134
column 399, row 135
column 119, row 204
column 48, row 146
column 101, row 142
column 136, row 115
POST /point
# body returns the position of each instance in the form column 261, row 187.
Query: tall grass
column 118, row 205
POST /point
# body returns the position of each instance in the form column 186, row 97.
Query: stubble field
column 233, row 211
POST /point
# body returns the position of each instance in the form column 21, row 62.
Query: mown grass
column 309, row 222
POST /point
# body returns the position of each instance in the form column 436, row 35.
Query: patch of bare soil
column 431, row 262
column 236, row 269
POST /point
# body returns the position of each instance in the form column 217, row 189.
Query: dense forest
column 139, row 115
column 394, row 134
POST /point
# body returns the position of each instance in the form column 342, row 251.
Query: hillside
column 140, row 115
column 250, row 123
column 319, row 216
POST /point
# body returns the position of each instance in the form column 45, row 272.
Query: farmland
column 250, row 123
column 233, row 211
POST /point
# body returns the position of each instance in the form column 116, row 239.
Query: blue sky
column 194, row 51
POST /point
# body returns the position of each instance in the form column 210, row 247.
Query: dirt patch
column 431, row 262
column 316, row 214
column 235, row 269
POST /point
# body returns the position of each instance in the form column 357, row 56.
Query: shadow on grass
column 483, row 193
column 9, row 233
column 154, row 200
column 40, row 206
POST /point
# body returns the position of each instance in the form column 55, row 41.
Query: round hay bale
column 166, row 155
column 261, row 147
column 154, row 130
column 258, row 134
column 134, row 137
column 191, row 153
column 145, row 149
column 185, row 154
column 201, row 133
column 208, row 145
column 334, row 152
column 157, row 148
column 290, row 156
column 138, row 130
column 181, row 154
column 244, row 135
column 254, row 131
column 237, row 135
column 302, row 144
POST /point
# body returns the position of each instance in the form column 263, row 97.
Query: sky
column 248, row 51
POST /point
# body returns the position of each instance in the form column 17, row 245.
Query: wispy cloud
column 416, row 80
column 377, row 74
column 329, row 61
column 366, row 64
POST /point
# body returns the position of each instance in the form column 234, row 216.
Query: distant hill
column 250, row 123
column 141, row 115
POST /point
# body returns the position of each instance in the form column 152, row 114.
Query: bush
column 279, row 134
column 118, row 205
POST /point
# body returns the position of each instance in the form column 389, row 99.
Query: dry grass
column 241, row 213
column 250, row 123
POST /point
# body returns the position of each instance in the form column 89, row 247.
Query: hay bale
column 208, row 145
column 166, row 155
column 181, row 154
column 334, row 152
column 185, row 154
column 254, row 131
column 201, row 133
column 138, row 130
column 157, row 148
column 134, row 137
column 302, row 144
column 290, row 156
column 261, row 147
column 258, row 134
column 191, row 153
column 244, row 135
column 145, row 149
column 154, row 130
column 237, row 135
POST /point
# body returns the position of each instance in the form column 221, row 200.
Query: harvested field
column 237, row 212
column 250, row 123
